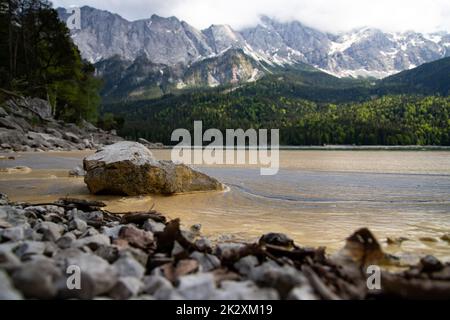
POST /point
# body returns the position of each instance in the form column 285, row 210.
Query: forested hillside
column 39, row 59
column 310, row 107
column 390, row 120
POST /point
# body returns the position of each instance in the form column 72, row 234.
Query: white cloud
column 327, row 15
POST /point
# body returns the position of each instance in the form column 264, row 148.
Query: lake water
column 318, row 197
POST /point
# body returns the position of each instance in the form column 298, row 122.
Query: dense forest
column 39, row 59
column 388, row 120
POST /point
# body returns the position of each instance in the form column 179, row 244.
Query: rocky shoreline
column 27, row 124
column 142, row 255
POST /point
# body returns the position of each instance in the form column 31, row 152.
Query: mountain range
column 150, row 57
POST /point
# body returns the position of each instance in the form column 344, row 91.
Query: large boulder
column 129, row 168
column 30, row 107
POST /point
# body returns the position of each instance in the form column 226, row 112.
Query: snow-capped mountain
column 199, row 57
column 360, row 52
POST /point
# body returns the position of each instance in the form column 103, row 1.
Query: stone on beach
column 129, row 168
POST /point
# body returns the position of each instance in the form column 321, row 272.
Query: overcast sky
column 327, row 15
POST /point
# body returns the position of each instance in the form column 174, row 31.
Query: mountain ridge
column 178, row 47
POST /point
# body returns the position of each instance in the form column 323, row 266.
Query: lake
column 318, row 197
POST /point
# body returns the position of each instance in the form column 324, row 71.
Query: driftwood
column 141, row 217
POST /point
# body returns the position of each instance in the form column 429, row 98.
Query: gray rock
column 51, row 248
column 38, row 279
column 277, row 239
column 5, row 146
column 199, row 286
column 77, row 172
column 189, row 235
column 305, row 292
column 157, row 286
column 7, row 291
column 109, row 253
column 94, row 270
column 8, row 260
column 246, row 265
column 12, row 215
column 54, row 132
column 94, row 241
column 153, row 226
column 138, row 254
column 126, row 288
column 66, row 241
column 112, row 232
column 228, row 250
column 95, row 216
column 246, row 290
column 9, row 123
column 15, row 233
column 196, row 229
column 4, row 200
column 78, row 224
column 90, row 232
column 144, row 297
column 29, row 248
column 204, row 244
column 129, row 168
column 3, row 113
column 71, row 137
column 50, row 230
column 177, row 250
column 30, row 107
column 284, row 278
column 207, row 262
column 127, row 266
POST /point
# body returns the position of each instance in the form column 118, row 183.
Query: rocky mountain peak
column 181, row 49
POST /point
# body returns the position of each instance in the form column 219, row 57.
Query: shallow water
column 318, row 197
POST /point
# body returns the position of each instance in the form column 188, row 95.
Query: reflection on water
column 318, row 197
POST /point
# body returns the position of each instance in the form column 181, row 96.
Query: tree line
column 39, row 59
column 388, row 120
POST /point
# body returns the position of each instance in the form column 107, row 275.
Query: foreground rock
column 27, row 124
column 129, row 168
column 144, row 256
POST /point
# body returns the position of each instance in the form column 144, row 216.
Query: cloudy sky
column 327, row 15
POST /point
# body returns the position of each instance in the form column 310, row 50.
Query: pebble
column 93, row 242
column 244, row 290
column 78, row 224
column 66, row 241
column 136, row 237
column 38, row 279
column 28, row 248
column 284, row 278
column 112, row 232
column 208, row 262
column 199, row 286
column 7, row 290
column 246, row 265
column 153, row 226
column 15, row 233
column 50, row 230
column 304, row 292
column 126, row 288
column 158, row 286
column 127, row 266
column 102, row 275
